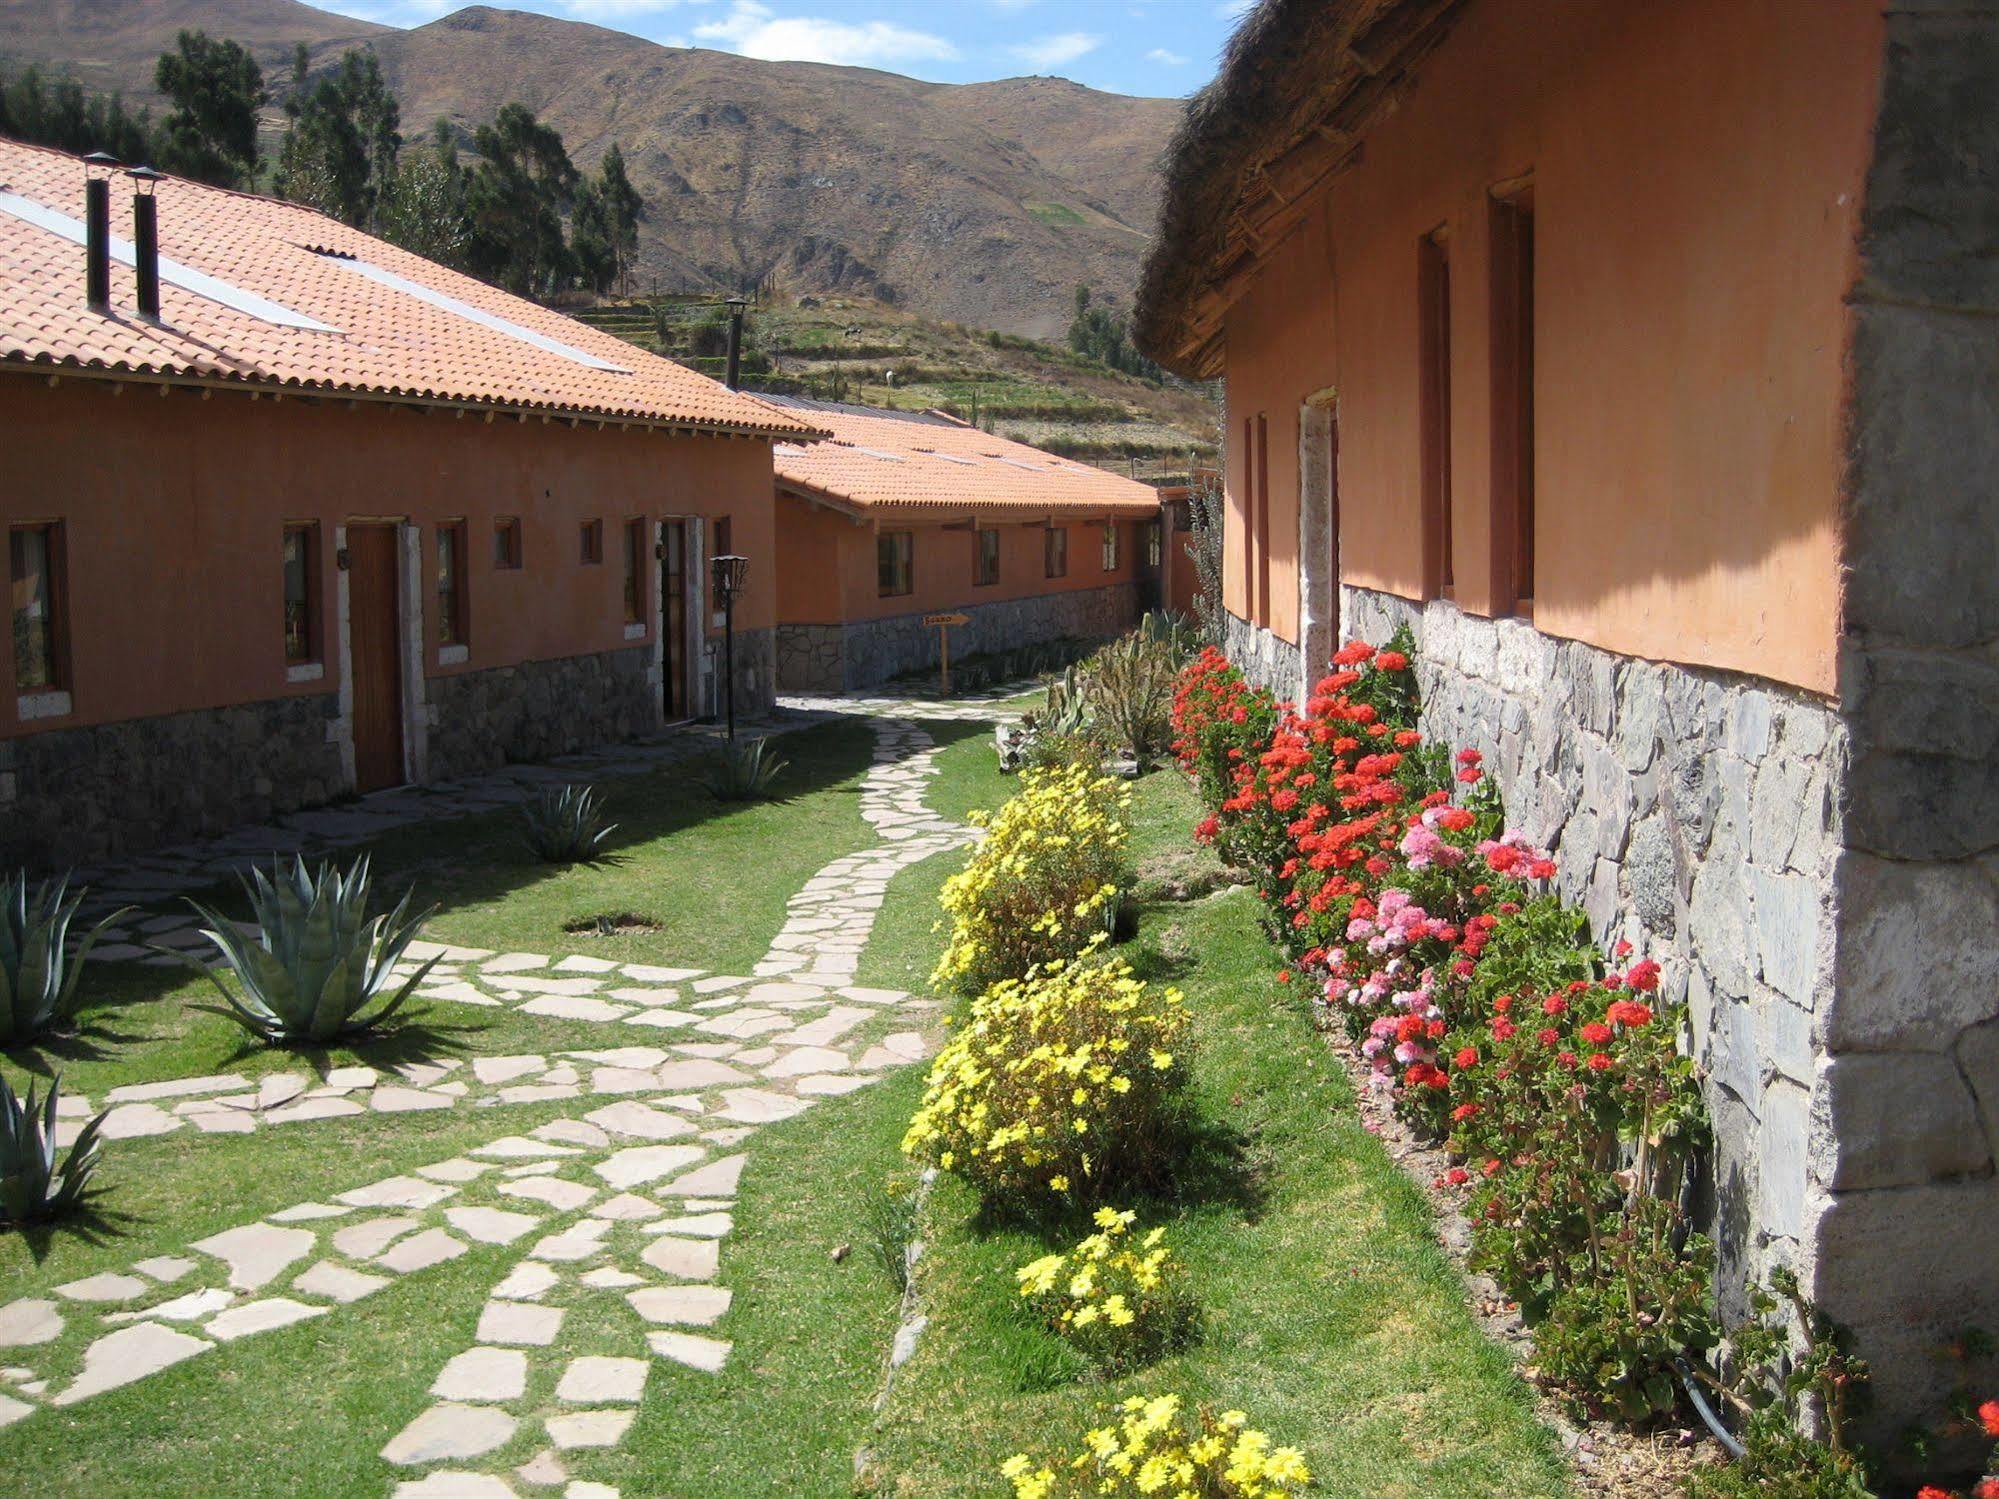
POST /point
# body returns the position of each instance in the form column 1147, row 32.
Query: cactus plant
column 318, row 960
column 33, row 1188
column 38, row 973
column 746, row 771
column 565, row 825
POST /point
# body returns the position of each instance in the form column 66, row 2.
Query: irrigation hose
column 1707, row 1415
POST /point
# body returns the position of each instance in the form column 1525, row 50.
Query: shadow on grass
column 86, row 1222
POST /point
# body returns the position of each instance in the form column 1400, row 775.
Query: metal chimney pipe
column 732, row 378
column 97, row 244
column 146, row 241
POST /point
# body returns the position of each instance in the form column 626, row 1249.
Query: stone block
column 1905, row 978
column 1894, row 1119
column 1789, row 920
column 1978, row 1061
column 1782, row 1134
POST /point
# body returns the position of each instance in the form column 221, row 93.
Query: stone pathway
column 627, row 1201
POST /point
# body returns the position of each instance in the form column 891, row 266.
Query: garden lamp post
column 730, row 574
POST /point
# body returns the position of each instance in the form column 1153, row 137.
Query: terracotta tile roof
column 905, row 464
column 372, row 319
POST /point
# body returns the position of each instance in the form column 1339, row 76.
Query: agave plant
column 38, row 973
column 32, row 1187
column 746, row 772
column 565, row 825
column 318, row 960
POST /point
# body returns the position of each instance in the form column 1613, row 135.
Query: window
column 985, row 565
column 301, row 594
column 1155, row 543
column 451, row 584
column 1055, row 551
column 895, row 563
column 592, row 546
column 1110, row 546
column 35, row 554
column 635, row 586
column 507, row 542
column 1260, row 524
column 1513, row 399
column 723, row 547
column 1434, row 402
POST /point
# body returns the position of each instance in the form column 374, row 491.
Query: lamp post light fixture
column 730, row 574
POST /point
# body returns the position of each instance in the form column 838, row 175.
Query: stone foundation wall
column 482, row 719
column 869, row 652
column 756, row 674
column 72, row 796
column 1265, row 658
column 1696, row 814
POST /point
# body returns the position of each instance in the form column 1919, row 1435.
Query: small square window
column 35, row 557
column 1155, row 545
column 1110, row 546
column 986, row 565
column 592, row 543
column 895, row 559
column 301, row 594
column 1055, row 551
column 507, row 542
column 451, row 627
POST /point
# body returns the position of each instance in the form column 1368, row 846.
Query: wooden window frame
column 895, row 564
column 56, row 563
column 590, row 543
column 509, row 545
column 1055, row 552
column 982, row 577
column 635, row 570
column 1434, row 406
column 1112, row 555
column 1512, row 347
column 453, row 612
column 1155, row 543
column 310, row 604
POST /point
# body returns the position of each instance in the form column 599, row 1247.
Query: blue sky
column 1166, row 47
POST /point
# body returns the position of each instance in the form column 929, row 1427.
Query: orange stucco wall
column 1697, row 171
column 173, row 510
column 827, row 565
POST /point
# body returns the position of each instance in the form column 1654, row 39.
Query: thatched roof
column 1300, row 85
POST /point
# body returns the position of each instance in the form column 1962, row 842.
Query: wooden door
column 1333, row 515
column 673, row 617
column 374, row 642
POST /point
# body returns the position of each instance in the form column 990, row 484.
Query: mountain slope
column 982, row 203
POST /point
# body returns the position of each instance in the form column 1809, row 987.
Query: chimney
column 733, row 377
column 146, row 241
column 97, row 229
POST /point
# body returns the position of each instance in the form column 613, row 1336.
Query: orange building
column 335, row 519
column 904, row 514
column 1640, row 360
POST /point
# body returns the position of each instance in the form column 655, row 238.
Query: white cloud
column 1169, row 59
column 751, row 29
column 618, row 10
column 1046, row 52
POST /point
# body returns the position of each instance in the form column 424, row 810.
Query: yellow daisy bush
column 1063, row 1082
column 1152, row 1448
column 1119, row 1297
column 1042, row 882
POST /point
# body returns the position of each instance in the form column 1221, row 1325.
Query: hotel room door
column 374, row 637
column 673, row 617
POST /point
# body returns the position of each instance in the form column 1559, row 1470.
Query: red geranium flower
column 1597, row 1033
column 1988, row 1417
column 1467, row 1057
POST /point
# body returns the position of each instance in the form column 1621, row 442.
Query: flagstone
column 514, row 962
column 12, row 1410
column 755, row 1106
column 490, row 1225
column 506, row 1069
column 804, row 1059
column 534, row 1168
column 636, row 1165
column 572, row 1132
column 627, row 1207
column 648, row 973
column 352, row 1077
column 29, row 1321
column 687, row 1306
column 661, row 1018
column 869, row 996
column 337, row 1282
column 595, row 1380
column 695, row 1226
column 553, row 1190
column 727, row 1137
column 223, row 1123
column 564, row 1007
column 306, row 1212
column 538, row 1092
column 689, row 1259
column 569, row 988
column 696, row 1352
column 431, row 1247
column 708, row 1049
column 129, row 1354
column 452, row 1483
column 519, row 1323
column 457, row 1169
column 717, row 1179
column 716, row 983
column 621, row 1056
column 280, row 1087
column 459, row 992
column 256, row 1252
column 520, row 1148
column 757, row 1056
column 742, row 1024
column 828, row 1028
column 542, row 1470
column 589, row 1428
column 365, row 1240
column 831, row 1085
column 697, row 1072
column 580, row 1241
column 398, row 1192
column 623, row 1080
column 583, row 964
column 311, row 1108
column 260, row 1316
column 392, row 1100
column 185, row 1087
column 189, row 1308
column 449, row 1431
column 527, row 1281
column 131, row 1121
column 483, row 1374
column 609, row 1278
column 638, row 1120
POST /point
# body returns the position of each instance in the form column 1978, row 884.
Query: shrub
column 1120, row 1304
column 746, row 772
column 1065, row 1083
column 33, row 1188
column 318, row 960
column 565, row 825
column 38, row 974
column 1152, row 1448
column 889, row 1226
column 1130, row 683
column 1041, row 883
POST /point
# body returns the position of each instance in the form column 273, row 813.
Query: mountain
column 981, row 203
